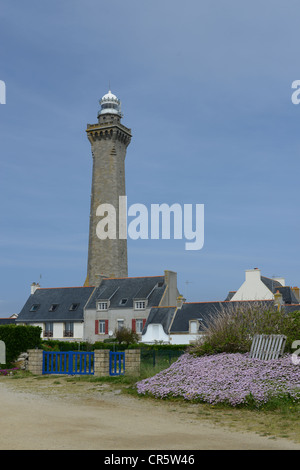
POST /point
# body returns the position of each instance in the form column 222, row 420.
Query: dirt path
column 99, row 418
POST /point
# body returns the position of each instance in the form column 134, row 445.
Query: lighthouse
column 109, row 140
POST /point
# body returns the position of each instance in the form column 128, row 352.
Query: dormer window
column 140, row 305
column 194, row 326
column 73, row 307
column 53, row 307
column 34, row 307
column 102, row 305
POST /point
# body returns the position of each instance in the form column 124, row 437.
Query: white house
column 58, row 311
column 258, row 287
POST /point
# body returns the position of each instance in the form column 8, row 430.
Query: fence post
column 133, row 361
column 101, row 362
column 35, row 361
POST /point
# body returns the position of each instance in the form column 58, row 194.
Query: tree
column 126, row 335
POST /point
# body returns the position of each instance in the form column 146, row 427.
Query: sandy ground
column 105, row 419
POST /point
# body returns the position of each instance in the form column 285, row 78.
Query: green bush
column 232, row 330
column 18, row 339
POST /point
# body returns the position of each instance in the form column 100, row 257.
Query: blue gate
column 71, row 363
column 116, row 363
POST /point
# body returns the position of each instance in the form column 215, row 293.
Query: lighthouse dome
column 110, row 104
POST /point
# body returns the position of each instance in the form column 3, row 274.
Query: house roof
column 131, row 288
column 288, row 295
column 161, row 315
column 203, row 311
column 271, row 284
column 7, row 321
column 63, row 297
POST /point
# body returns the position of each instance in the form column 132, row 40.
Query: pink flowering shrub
column 234, row 379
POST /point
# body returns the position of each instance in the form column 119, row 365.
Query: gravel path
column 99, row 418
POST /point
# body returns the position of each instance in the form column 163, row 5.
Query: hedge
column 56, row 345
column 18, row 339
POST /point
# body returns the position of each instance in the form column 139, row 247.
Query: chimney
column 278, row 300
column 252, row 274
column 172, row 291
column 280, row 279
column 34, row 287
column 180, row 301
column 296, row 291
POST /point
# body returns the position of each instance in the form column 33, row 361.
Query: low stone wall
column 101, row 362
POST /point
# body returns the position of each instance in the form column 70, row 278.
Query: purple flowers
column 225, row 378
column 7, row 371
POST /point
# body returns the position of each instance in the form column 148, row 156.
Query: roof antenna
column 186, row 289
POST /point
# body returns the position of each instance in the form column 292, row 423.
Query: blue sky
column 206, row 89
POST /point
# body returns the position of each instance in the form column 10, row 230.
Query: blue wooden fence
column 116, row 363
column 71, row 363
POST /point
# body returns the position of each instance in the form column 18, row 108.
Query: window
column 120, row 324
column 123, row 301
column 48, row 330
column 102, row 305
column 139, row 326
column 140, row 305
column 102, row 327
column 53, row 308
column 73, row 307
column 35, row 307
column 69, row 330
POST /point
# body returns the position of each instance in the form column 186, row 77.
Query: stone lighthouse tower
column 109, row 140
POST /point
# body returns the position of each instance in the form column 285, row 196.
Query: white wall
column 183, row 339
column 155, row 332
column 58, row 331
column 253, row 288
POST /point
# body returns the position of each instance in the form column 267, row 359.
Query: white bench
column 267, row 346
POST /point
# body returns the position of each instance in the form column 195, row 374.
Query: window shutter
column 106, row 327
column 133, row 326
column 96, row 327
column 144, row 322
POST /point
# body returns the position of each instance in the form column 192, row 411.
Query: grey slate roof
column 161, row 315
column 230, row 295
column 7, row 321
column 178, row 321
column 64, row 297
column 287, row 293
column 291, row 308
column 130, row 288
column 203, row 311
column 271, row 284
